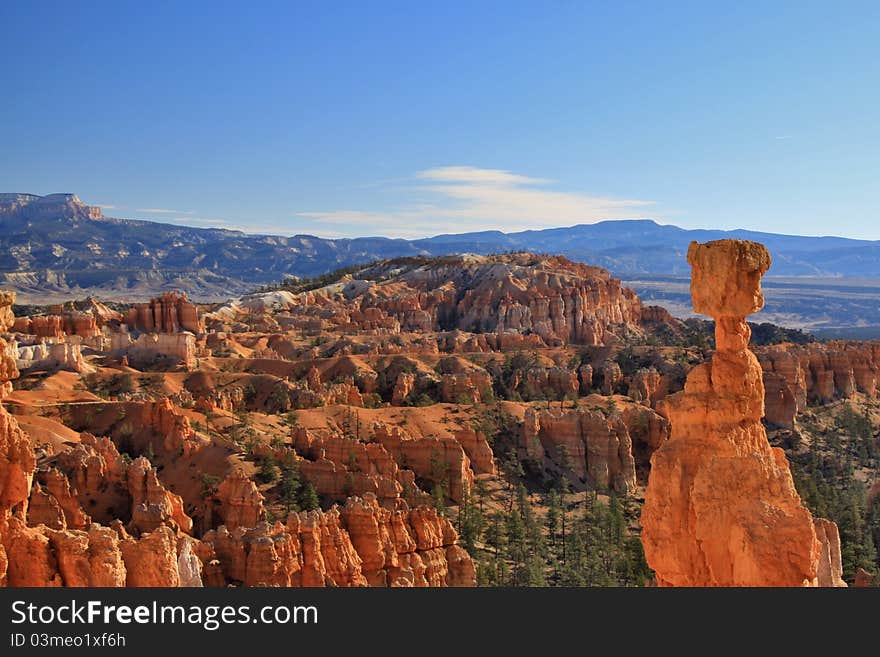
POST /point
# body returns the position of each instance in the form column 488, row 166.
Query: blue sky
column 410, row 119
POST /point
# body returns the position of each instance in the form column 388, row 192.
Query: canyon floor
column 829, row 307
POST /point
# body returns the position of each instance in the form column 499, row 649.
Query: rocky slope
column 796, row 375
column 550, row 298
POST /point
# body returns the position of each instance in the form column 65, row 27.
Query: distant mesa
column 47, row 207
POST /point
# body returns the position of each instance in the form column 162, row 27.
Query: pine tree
column 471, row 523
column 480, row 487
column 290, row 487
column 554, row 513
column 516, row 545
column 439, row 499
column 267, row 472
column 310, row 501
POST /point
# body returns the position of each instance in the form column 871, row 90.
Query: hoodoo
column 721, row 508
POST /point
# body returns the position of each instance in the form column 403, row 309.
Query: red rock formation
column 89, row 558
column 58, row 325
column 265, row 555
column 29, row 555
column 21, row 324
column 43, row 509
column 403, row 387
column 152, row 560
column 469, row 387
column 44, row 326
column 58, row 506
column 160, row 418
column 657, row 315
column 585, row 376
column 477, row 449
column 152, row 504
column 504, row 342
column 442, row 461
column 611, row 377
column 102, row 314
column 596, row 446
column 819, row 371
column 368, row 524
column 97, row 476
column 648, row 431
column 329, row 556
column 647, row 387
column 863, row 578
column 61, row 554
column 780, row 403
column 545, row 382
column 721, row 508
column 16, row 455
column 551, row 298
column 339, row 466
column 360, row 544
column 79, row 323
column 313, row 379
column 169, row 313
column 151, row 348
column 240, row 502
column 830, row 563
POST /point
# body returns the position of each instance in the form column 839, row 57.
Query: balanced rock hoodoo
column 721, row 507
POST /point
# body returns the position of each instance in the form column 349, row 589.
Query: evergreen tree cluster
column 293, row 493
column 555, row 543
column 825, row 482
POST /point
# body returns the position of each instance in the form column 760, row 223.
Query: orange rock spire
column 721, row 508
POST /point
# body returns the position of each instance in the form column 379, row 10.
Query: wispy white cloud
column 103, row 206
column 448, row 199
column 164, row 211
column 263, row 228
column 464, row 198
column 359, row 223
column 476, row 175
column 202, row 220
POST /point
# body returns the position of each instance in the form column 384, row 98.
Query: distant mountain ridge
column 55, row 245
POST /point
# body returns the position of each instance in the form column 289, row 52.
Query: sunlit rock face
column 721, row 508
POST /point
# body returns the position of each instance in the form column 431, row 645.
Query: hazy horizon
column 109, row 212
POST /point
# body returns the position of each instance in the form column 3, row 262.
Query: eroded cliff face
column 169, row 313
column 593, row 446
column 554, row 300
column 606, row 444
column 817, row 372
column 358, row 544
column 69, row 549
column 339, row 466
column 48, row 539
column 150, row 348
column 721, row 508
